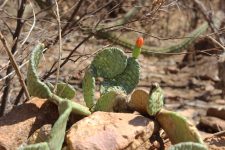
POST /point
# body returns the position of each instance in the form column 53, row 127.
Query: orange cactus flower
column 139, row 42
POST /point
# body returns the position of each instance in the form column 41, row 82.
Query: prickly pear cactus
column 108, row 101
column 155, row 101
column 39, row 89
column 138, row 101
column 137, row 49
column 109, row 63
column 57, row 134
column 58, row 131
column 88, row 85
column 188, row 146
column 38, row 146
column 120, row 74
column 177, row 127
column 128, row 79
column 64, row 92
column 34, row 84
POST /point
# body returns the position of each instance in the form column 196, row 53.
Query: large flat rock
column 110, row 131
column 23, row 120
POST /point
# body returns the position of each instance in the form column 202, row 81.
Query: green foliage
column 38, row 146
column 109, row 62
column 155, row 101
column 188, row 146
column 58, row 131
column 120, row 74
column 61, row 98
column 108, row 101
column 64, row 90
column 34, row 84
column 57, row 135
column 128, row 79
column 39, row 89
column 88, row 85
column 178, row 128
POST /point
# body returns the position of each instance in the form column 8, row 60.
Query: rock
column 211, row 124
column 216, row 142
column 114, row 131
column 23, row 120
column 216, row 112
column 40, row 135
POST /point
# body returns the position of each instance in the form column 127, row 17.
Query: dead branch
column 13, row 50
column 15, row 66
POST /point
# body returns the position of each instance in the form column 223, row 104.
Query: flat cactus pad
column 188, row 146
column 128, row 79
column 34, row 84
column 155, row 100
column 109, row 101
column 88, row 85
column 177, row 127
column 139, row 101
column 109, row 62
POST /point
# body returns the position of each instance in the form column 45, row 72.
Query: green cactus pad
column 177, row 127
column 88, row 85
column 188, row 146
column 155, row 100
column 38, row 146
column 127, row 80
column 139, row 101
column 34, row 85
column 64, row 90
column 40, row 89
column 59, row 129
column 121, row 75
column 105, row 88
column 130, row 77
column 109, row 101
column 109, row 62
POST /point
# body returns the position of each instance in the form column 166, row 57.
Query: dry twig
column 60, row 45
column 13, row 50
column 15, row 66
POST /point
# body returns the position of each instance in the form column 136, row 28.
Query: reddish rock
column 212, row 124
column 218, row 112
column 216, row 142
column 23, row 120
column 114, row 131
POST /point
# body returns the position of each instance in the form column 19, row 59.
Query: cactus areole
column 137, row 49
